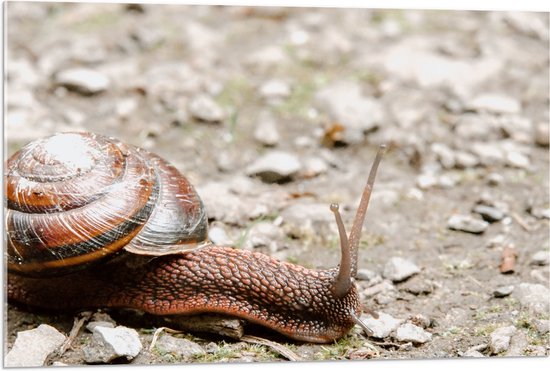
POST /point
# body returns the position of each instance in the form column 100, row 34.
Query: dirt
column 160, row 57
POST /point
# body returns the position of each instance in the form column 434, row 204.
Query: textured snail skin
column 290, row 299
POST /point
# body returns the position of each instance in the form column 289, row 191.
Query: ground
column 460, row 98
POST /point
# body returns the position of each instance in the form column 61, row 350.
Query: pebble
column 540, row 213
column 382, row 326
column 421, row 320
column 465, row 160
column 467, row 223
column 533, row 296
column 275, row 90
column 540, row 258
column 314, row 166
column 93, row 324
column 218, row 236
column 275, row 166
column 542, row 134
column 364, row 274
column 494, row 179
column 109, row 344
column 495, row 103
column 181, row 348
column 472, row 354
column 489, row 153
column 489, row 213
column 409, row 332
column 503, row 291
column 398, row 269
column 266, row 131
column 32, row 347
column 445, row 155
column 500, row 339
column 542, row 326
column 263, row 234
column 518, row 160
column 202, row 107
column 345, row 104
column 125, row 107
column 418, row 286
column 382, row 287
column 83, row 80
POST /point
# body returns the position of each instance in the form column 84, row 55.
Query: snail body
column 147, row 248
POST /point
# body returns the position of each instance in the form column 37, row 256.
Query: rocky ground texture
column 274, row 113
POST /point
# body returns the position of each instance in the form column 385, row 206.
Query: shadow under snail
column 96, row 223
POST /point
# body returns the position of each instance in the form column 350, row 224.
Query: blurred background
column 274, row 113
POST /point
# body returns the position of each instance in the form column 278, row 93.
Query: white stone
column 382, row 326
column 266, row 130
column 275, row 166
column 409, row 332
column 109, row 344
column 83, row 80
column 495, row 103
column 203, row 107
column 533, row 296
column 540, row 258
column 500, row 339
column 398, row 269
column 32, row 347
column 345, row 104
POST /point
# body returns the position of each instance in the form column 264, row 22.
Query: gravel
column 533, row 296
column 383, row 326
column 83, row 80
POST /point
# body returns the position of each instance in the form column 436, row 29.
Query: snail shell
column 77, row 198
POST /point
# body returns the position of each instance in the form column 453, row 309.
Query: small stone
column 314, row 166
column 540, row 213
column 542, row 135
column 409, row 332
column 489, row 213
column 32, row 347
column 540, row 258
column 542, row 326
column 500, row 339
column 181, row 348
column 467, row 223
column 533, row 296
column 275, row 90
column 382, row 326
column 218, row 236
column 125, row 107
column 203, row 108
column 93, row 324
column 445, row 155
column 83, row 80
column 465, row 160
column 266, row 131
column 109, row 344
column 418, row 286
column 382, row 287
column 472, row 354
column 495, row 103
column 263, row 234
column 275, row 166
column 364, row 274
column 346, row 105
column 517, row 159
column 426, row 181
column 503, row 291
column 421, row 320
column 489, row 153
column 58, row 364
column 398, row 269
column 494, row 179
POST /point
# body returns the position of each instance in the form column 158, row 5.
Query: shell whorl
column 74, row 198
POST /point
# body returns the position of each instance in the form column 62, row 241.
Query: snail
column 92, row 222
